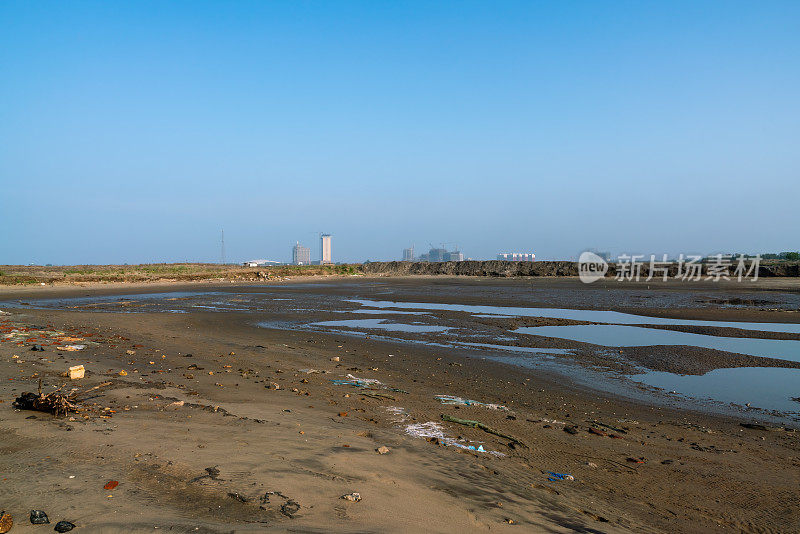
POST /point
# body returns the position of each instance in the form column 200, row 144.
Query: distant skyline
column 135, row 132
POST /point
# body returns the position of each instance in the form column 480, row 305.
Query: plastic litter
column 555, row 477
column 450, row 399
column 353, row 497
column 76, row 372
column 63, row 526
column 370, row 383
column 355, row 381
column 433, row 431
column 71, row 348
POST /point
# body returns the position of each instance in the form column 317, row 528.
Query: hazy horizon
column 134, row 133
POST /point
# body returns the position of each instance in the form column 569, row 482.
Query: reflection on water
column 594, row 316
column 381, row 312
column 634, row 336
column 772, row 387
column 383, row 325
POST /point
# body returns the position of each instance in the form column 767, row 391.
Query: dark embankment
column 542, row 268
column 474, row 268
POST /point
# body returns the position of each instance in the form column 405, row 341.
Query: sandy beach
column 210, row 423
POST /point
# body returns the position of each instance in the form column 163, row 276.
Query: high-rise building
column 325, row 254
column 408, row 254
column 301, row 255
column 453, row 256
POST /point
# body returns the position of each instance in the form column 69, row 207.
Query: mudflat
column 239, row 412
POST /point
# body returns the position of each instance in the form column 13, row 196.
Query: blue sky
column 134, row 132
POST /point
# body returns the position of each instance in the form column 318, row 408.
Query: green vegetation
column 33, row 274
column 788, row 256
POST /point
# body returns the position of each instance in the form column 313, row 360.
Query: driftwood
column 55, row 402
column 377, row 395
column 481, row 426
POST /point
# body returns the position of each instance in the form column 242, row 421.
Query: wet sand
column 645, row 467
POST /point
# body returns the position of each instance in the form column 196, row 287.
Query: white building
column 516, row 256
column 325, row 253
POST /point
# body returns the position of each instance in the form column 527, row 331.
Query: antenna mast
column 222, row 248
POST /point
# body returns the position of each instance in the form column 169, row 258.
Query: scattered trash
column 37, row 348
column 399, row 413
column 38, row 517
column 450, row 399
column 596, row 431
column 351, row 380
column 63, row 526
column 111, row 484
column 383, row 449
column 432, row 431
column 123, row 373
column 555, row 477
column 76, row 372
column 571, row 430
column 71, row 348
column 342, row 414
column 591, row 464
column 353, row 497
column 335, row 359
column 636, row 460
column 310, row 371
column 6, row 522
column 481, row 426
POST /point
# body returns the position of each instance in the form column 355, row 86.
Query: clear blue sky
column 135, row 131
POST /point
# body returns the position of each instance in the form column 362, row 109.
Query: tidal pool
column 765, row 387
column 594, row 316
column 382, row 325
column 609, row 335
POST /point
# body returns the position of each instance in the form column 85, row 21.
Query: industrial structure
column 301, row 255
column 325, row 254
column 442, row 254
column 408, row 254
column 260, row 263
column 516, row 256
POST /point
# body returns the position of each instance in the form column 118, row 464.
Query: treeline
column 790, row 256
